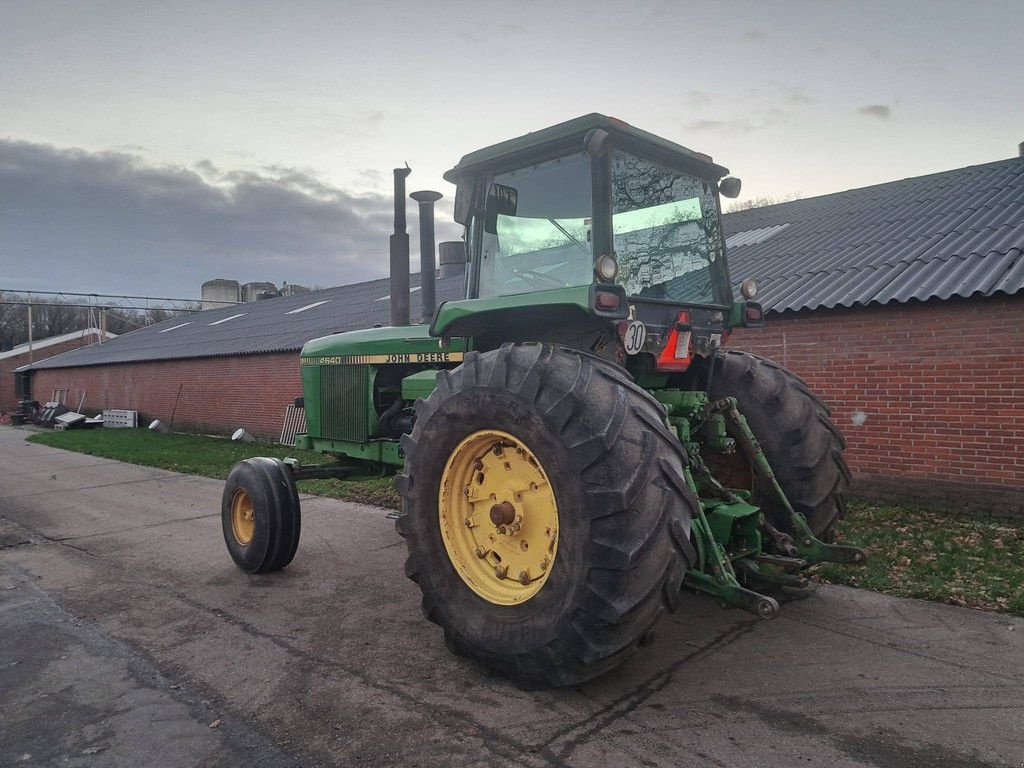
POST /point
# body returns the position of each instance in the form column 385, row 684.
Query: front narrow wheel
column 260, row 515
column 546, row 512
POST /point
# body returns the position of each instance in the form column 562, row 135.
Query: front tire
column 566, row 447
column 260, row 515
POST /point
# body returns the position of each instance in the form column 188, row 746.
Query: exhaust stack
column 428, row 290
column 399, row 243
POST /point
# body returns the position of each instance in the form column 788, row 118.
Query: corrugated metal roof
column 270, row 325
column 957, row 233
column 38, row 344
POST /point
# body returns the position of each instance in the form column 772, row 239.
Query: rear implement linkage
column 738, row 548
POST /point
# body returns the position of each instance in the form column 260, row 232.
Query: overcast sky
column 147, row 147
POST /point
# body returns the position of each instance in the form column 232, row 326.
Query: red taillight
column 675, row 355
column 753, row 315
column 606, row 302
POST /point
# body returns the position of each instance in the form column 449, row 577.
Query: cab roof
column 568, row 137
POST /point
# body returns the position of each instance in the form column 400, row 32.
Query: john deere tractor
column 574, row 446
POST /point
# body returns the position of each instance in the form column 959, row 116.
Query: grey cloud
column 697, row 98
column 881, row 111
column 755, row 34
column 796, row 95
column 207, row 169
column 725, row 126
column 74, row 220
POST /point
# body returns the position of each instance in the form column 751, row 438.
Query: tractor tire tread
column 796, row 432
column 635, row 505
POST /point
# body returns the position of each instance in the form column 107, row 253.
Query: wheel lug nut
column 478, row 465
column 501, row 571
column 481, row 552
column 524, row 577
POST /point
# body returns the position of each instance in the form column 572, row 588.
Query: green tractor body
column 575, row 443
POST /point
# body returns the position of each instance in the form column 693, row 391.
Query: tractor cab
column 610, row 235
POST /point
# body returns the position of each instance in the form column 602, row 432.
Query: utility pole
column 30, row 360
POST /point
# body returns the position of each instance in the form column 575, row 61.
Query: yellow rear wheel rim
column 243, row 519
column 499, row 519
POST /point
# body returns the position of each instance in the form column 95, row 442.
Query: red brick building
column 221, row 369
column 24, row 354
column 930, row 395
column 901, row 304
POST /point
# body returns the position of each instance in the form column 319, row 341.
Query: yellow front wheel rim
column 499, row 519
column 243, row 519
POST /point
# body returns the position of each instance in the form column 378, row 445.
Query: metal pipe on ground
column 428, row 291
column 399, row 244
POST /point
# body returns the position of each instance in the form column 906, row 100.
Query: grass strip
column 912, row 552
column 210, row 457
column 967, row 560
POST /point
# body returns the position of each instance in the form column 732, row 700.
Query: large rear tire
column 260, row 515
column 559, row 451
column 796, row 432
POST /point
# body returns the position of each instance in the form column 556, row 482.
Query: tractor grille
column 343, row 402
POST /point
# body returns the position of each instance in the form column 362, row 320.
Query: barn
column 220, row 369
column 24, row 355
column 900, row 303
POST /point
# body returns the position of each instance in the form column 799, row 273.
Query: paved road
column 127, row 633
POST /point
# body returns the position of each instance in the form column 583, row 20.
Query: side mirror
column 596, row 142
column 501, row 201
column 730, row 186
column 463, row 199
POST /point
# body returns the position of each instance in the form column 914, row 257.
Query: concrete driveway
column 128, row 638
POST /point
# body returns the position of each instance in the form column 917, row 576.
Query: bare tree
column 762, row 201
column 55, row 317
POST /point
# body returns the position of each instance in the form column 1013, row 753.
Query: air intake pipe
column 428, row 293
column 399, row 243
column 452, row 258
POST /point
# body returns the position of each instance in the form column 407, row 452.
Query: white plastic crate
column 116, row 418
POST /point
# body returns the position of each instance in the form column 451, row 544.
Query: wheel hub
column 499, row 519
column 243, row 519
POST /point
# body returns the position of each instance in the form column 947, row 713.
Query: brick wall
column 929, row 395
column 213, row 395
column 8, row 396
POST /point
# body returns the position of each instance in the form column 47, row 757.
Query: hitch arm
column 807, row 546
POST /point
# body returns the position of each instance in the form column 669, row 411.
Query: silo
column 220, row 292
column 256, row 291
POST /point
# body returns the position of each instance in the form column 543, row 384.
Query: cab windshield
column 666, row 233
column 537, row 229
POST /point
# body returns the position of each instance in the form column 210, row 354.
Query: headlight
column 749, row 288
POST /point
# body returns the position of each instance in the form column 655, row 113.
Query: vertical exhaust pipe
column 428, row 290
column 399, row 243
